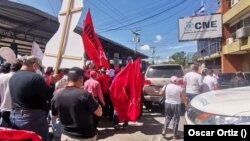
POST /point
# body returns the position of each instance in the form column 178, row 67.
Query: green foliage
column 178, row 58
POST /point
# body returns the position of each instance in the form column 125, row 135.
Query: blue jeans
column 56, row 127
column 31, row 120
column 191, row 96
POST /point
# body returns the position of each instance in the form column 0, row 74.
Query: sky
column 155, row 20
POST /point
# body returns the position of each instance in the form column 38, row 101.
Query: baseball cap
column 29, row 60
column 173, row 79
column 93, row 74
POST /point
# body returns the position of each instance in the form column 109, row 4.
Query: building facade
column 209, row 52
column 235, row 54
column 232, row 52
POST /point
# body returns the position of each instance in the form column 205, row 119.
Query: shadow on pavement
column 147, row 125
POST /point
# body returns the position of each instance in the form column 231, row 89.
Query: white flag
column 36, row 51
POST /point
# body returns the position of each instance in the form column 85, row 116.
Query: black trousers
column 5, row 116
column 108, row 109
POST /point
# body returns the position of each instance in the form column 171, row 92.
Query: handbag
column 162, row 100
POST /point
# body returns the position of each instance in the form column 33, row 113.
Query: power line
column 115, row 10
column 147, row 18
column 139, row 15
column 105, row 12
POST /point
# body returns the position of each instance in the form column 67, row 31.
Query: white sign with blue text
column 200, row 27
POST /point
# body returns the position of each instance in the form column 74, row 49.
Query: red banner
column 125, row 92
column 92, row 44
column 12, row 134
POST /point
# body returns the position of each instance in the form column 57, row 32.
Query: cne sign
column 205, row 25
column 200, row 27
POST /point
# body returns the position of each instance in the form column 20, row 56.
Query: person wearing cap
column 103, row 79
column 94, row 87
column 193, row 82
column 75, row 109
column 29, row 95
column 174, row 95
column 5, row 99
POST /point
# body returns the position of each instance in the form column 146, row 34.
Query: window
column 209, row 46
column 164, row 71
column 233, row 2
column 246, row 22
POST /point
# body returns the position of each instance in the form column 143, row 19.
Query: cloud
column 176, row 47
column 145, row 47
column 158, row 38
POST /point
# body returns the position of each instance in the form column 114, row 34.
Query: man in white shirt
column 5, row 99
column 210, row 83
column 193, row 82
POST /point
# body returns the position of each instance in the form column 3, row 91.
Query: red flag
column 125, row 92
column 13, row 134
column 92, row 44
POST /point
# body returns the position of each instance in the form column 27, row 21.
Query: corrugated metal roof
column 24, row 24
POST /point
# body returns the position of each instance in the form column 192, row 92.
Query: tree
column 178, row 58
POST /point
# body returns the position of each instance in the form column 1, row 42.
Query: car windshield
column 164, row 71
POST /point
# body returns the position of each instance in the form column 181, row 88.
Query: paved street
column 148, row 128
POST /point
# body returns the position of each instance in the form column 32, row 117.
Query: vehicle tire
column 148, row 104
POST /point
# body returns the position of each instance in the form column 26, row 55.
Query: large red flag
column 125, row 92
column 92, row 45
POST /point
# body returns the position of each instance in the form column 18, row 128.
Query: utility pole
column 136, row 39
column 153, row 54
column 157, row 59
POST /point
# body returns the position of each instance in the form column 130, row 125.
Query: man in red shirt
column 103, row 79
column 94, row 87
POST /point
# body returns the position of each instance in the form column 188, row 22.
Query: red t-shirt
column 104, row 82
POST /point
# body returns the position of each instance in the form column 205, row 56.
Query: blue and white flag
column 200, row 11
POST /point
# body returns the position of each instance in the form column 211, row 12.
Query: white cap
column 173, row 79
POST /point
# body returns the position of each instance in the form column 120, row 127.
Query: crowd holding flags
column 125, row 90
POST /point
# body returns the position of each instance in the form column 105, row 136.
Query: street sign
column 200, row 27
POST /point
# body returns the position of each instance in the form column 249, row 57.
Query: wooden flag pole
column 65, row 25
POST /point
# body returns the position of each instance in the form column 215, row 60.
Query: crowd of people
column 195, row 83
column 73, row 100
